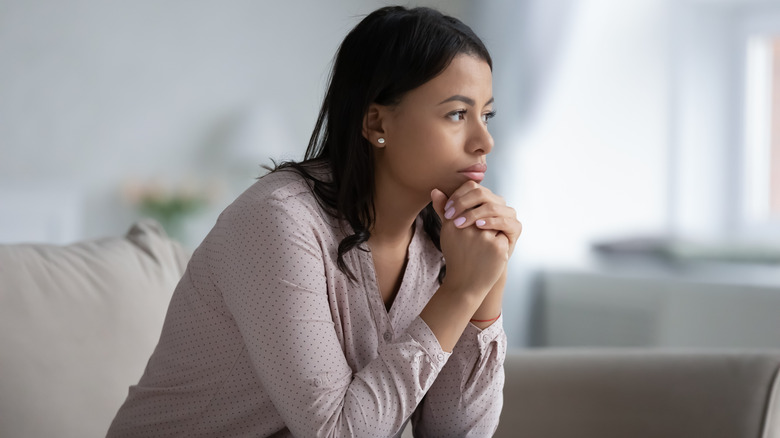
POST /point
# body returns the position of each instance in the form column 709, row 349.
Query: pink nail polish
column 449, row 204
column 459, row 221
column 449, row 213
column 480, row 223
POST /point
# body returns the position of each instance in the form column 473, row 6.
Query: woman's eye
column 488, row 116
column 457, row 115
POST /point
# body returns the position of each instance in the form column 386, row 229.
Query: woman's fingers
column 509, row 226
column 438, row 199
column 468, row 196
column 472, row 204
column 475, row 258
column 491, row 217
column 506, row 223
column 486, row 210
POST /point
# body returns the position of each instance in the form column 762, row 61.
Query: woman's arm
column 473, row 205
column 476, row 260
column 273, row 279
column 466, row 398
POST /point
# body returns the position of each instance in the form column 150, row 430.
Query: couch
column 641, row 393
column 77, row 325
column 78, row 322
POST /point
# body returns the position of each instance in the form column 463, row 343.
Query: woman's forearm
column 490, row 309
column 448, row 313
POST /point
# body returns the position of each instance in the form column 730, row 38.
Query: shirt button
column 440, row 357
column 387, row 336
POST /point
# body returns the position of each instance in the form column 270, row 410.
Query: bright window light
column 762, row 157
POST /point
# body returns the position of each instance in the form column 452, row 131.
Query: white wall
column 613, row 117
column 582, row 133
column 616, row 119
column 594, row 160
column 93, row 93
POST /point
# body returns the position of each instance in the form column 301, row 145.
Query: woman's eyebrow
column 467, row 100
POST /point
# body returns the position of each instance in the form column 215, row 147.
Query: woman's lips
column 476, row 176
column 475, row 172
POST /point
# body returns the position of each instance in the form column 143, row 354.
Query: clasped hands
column 478, row 234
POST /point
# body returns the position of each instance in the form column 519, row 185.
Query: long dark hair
column 391, row 51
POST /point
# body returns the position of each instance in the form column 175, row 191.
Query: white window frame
column 757, row 24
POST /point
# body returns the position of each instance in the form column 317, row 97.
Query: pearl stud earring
column 380, row 140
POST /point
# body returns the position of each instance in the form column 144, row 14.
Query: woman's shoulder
column 288, row 181
column 279, row 185
column 284, row 192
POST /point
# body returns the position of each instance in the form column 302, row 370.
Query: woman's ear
column 373, row 125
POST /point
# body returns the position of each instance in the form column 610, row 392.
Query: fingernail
column 449, row 213
column 480, row 223
column 459, row 221
column 449, row 204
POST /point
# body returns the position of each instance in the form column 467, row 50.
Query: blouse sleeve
column 466, row 398
column 273, row 280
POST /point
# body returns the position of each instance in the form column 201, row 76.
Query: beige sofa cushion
column 77, row 325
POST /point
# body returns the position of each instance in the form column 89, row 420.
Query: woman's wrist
column 486, row 320
column 490, row 308
column 465, row 289
column 447, row 314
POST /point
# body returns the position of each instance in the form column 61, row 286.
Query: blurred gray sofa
column 78, row 322
column 641, row 393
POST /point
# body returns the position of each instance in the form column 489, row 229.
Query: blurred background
column 639, row 142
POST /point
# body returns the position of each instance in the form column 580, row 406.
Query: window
column 762, row 130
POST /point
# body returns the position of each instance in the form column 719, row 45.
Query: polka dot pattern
column 264, row 336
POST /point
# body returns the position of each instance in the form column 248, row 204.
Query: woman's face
column 437, row 136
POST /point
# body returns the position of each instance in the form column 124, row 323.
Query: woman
column 319, row 304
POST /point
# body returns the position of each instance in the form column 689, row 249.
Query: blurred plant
column 170, row 204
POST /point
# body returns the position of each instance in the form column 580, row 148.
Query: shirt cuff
column 422, row 334
column 474, row 337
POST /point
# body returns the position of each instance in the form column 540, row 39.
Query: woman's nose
column 480, row 141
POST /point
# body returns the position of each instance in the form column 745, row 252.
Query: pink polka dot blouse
column 265, row 336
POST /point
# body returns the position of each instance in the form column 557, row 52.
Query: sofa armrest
column 772, row 421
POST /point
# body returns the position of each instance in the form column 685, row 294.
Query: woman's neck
column 392, row 226
column 395, row 214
